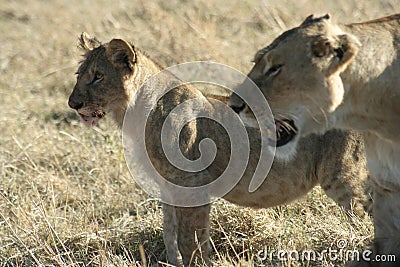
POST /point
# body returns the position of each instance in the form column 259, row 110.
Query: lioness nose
column 74, row 105
column 237, row 109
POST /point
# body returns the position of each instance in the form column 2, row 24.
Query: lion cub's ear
column 343, row 47
column 121, row 54
column 87, row 42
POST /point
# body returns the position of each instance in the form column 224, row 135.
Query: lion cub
column 108, row 78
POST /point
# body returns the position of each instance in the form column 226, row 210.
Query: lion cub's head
column 101, row 77
column 299, row 74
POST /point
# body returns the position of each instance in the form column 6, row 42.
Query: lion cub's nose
column 74, row 105
column 237, row 109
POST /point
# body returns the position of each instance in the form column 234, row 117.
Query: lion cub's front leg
column 193, row 234
column 170, row 225
column 186, row 235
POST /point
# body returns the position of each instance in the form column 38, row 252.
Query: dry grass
column 66, row 198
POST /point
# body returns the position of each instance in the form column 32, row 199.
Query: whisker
column 280, row 115
column 325, row 116
column 288, row 127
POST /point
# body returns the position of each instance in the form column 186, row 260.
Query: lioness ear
column 87, row 42
column 121, row 54
column 344, row 48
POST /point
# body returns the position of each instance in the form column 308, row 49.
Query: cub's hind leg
column 354, row 195
column 342, row 171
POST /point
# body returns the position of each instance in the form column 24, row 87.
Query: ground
column 66, row 197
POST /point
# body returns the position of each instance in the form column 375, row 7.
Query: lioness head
column 101, row 77
column 299, row 74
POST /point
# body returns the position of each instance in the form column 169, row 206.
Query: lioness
column 322, row 75
column 108, row 78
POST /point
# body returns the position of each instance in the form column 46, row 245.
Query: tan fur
column 348, row 77
column 334, row 160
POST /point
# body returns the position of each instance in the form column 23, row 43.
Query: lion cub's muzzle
column 74, row 105
column 90, row 114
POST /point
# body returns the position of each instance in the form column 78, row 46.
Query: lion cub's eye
column 272, row 71
column 97, row 77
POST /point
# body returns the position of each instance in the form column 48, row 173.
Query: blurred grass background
column 66, row 197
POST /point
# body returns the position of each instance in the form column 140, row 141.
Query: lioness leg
column 193, row 235
column 387, row 225
column 386, row 205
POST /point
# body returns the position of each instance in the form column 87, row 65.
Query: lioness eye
column 273, row 70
